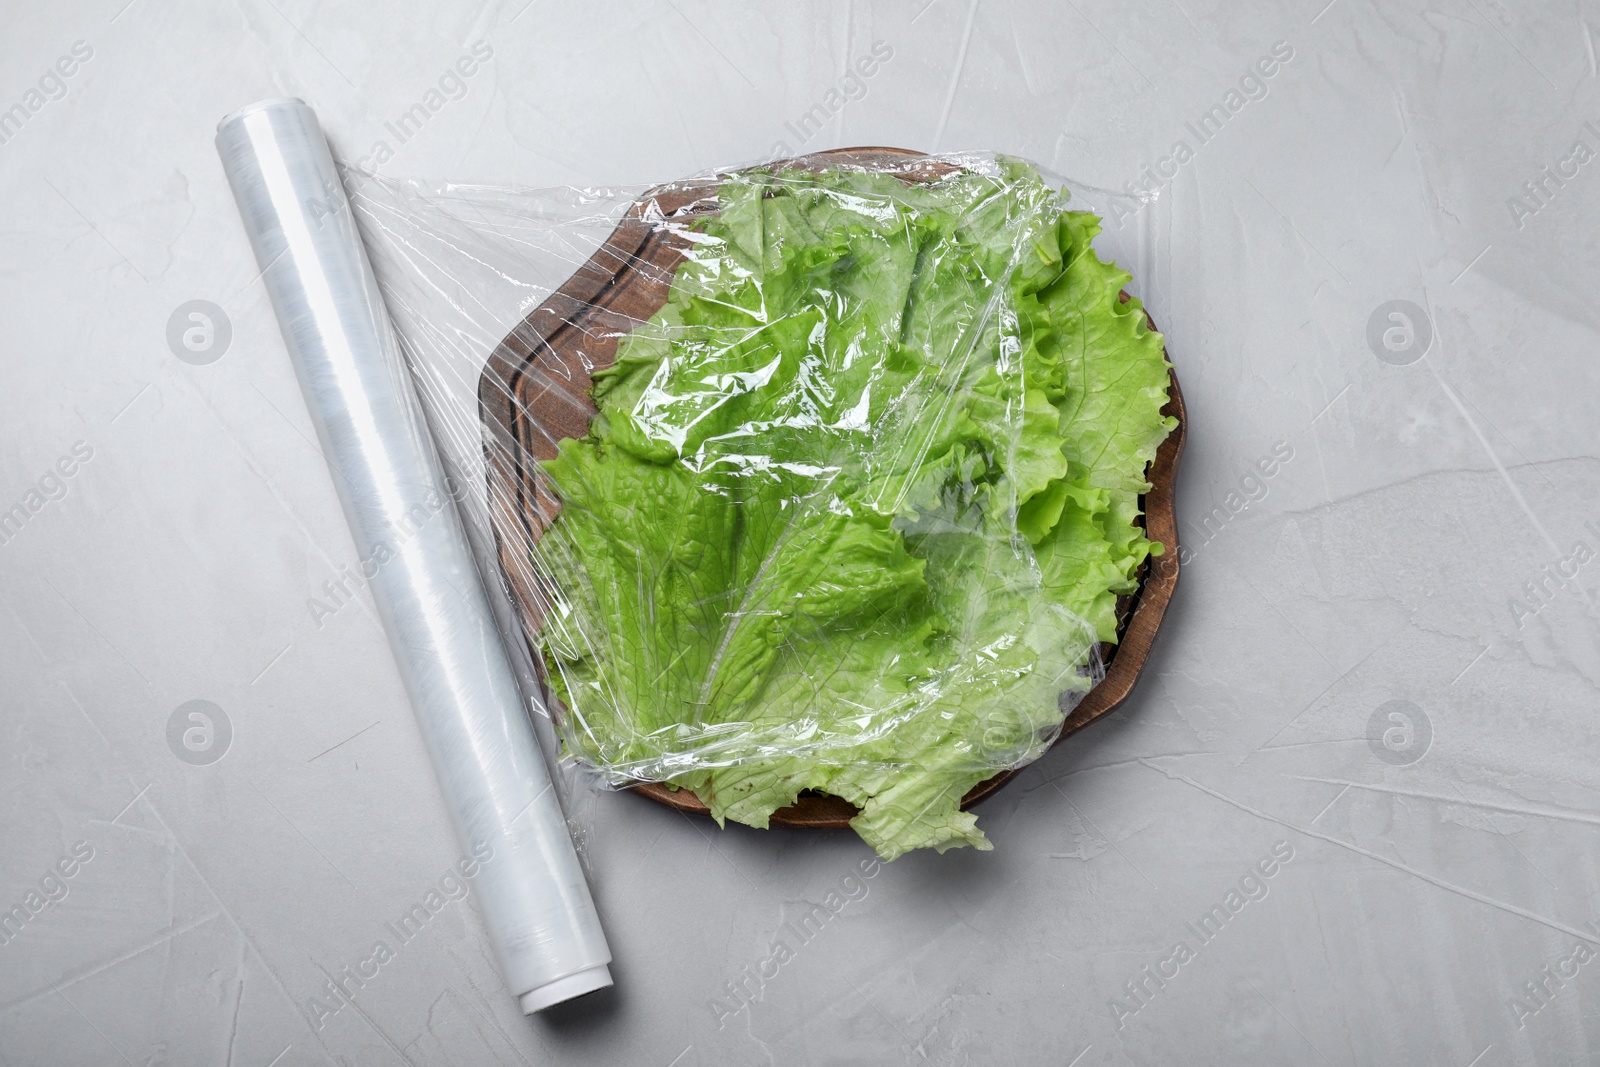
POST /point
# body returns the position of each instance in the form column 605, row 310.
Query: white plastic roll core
column 573, row 985
column 531, row 889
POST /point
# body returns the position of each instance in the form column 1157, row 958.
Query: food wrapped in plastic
column 839, row 496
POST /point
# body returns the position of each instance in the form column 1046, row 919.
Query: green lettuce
column 859, row 500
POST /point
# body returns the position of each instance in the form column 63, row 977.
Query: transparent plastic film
column 447, row 641
column 822, row 475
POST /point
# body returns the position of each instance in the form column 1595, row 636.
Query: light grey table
column 1379, row 682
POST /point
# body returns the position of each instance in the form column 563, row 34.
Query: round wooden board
column 534, row 392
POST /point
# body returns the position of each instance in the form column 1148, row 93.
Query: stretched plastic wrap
column 821, row 475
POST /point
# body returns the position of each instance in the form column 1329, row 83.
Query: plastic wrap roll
column 427, row 590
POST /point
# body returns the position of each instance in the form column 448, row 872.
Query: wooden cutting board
column 535, row 391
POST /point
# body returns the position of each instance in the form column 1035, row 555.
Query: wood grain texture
column 534, row 392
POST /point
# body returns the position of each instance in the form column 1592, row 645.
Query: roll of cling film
column 434, row 609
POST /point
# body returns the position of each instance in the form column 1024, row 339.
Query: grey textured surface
column 1436, row 906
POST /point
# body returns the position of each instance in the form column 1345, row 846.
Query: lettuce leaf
column 859, row 500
